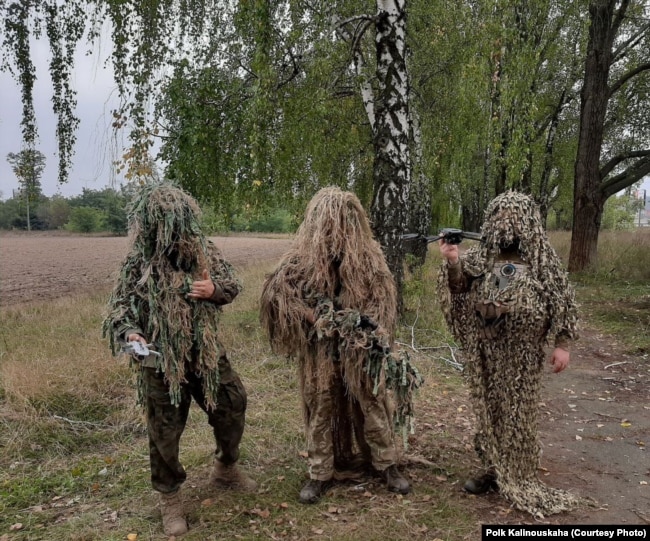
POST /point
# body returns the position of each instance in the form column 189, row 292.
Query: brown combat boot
column 395, row 481
column 231, row 477
column 173, row 518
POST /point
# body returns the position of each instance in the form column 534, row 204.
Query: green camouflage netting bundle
column 382, row 367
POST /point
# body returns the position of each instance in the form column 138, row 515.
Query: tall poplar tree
column 28, row 165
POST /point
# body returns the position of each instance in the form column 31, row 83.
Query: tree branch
column 295, row 71
column 620, row 15
column 628, row 177
column 628, row 44
column 356, row 18
column 358, row 34
column 366, row 21
column 627, row 76
column 611, row 164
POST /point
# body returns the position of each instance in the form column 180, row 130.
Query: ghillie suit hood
column 168, row 251
column 513, row 219
column 337, row 271
column 504, row 368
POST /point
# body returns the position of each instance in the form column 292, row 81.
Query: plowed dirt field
column 41, row 266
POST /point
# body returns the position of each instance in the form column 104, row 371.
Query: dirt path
column 596, row 430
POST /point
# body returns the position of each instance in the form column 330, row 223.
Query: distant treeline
column 106, row 211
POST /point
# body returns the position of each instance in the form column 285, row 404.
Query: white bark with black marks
column 391, row 135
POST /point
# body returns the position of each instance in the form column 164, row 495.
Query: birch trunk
column 419, row 216
column 391, row 135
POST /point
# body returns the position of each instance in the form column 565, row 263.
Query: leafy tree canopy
column 258, row 103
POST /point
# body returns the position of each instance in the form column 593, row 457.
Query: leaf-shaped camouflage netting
column 504, row 367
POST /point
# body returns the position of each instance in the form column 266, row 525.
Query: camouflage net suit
column 503, row 324
column 331, row 304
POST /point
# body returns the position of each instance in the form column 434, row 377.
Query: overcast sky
column 96, row 95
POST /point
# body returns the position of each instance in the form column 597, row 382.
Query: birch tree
column 387, row 106
column 28, row 165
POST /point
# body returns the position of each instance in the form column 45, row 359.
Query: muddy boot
column 395, row 481
column 482, row 483
column 173, row 518
column 313, row 490
column 231, row 477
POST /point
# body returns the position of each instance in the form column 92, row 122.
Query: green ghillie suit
column 331, row 304
column 168, row 252
column 503, row 301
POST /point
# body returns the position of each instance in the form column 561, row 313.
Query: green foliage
column 15, row 211
column 213, row 222
column 111, row 203
column 620, row 212
column 54, row 213
column 274, row 221
column 28, row 165
column 109, row 214
column 85, row 220
column 260, row 106
column 487, row 116
column 207, row 150
column 10, row 213
column 273, row 132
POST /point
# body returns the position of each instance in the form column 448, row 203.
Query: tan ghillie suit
column 503, row 323
column 312, row 308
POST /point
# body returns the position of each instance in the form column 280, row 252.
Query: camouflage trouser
column 371, row 414
column 166, row 422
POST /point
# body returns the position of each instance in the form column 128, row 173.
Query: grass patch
column 74, row 458
column 619, row 309
column 74, row 451
column 614, row 296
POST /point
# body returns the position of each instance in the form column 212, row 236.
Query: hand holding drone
column 450, row 236
column 138, row 349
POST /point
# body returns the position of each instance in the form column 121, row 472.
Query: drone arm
column 472, row 236
column 434, row 239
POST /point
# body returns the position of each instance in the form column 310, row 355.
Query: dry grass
column 56, row 349
column 74, row 459
column 615, row 296
column 622, row 255
column 74, row 464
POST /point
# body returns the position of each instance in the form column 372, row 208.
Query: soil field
column 41, row 266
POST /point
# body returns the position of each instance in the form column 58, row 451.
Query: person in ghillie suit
column 331, row 304
column 504, row 300
column 168, row 296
